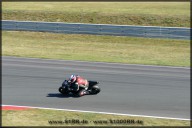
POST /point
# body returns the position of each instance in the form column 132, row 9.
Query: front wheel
column 62, row 90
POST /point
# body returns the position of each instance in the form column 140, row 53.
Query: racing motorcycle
column 93, row 89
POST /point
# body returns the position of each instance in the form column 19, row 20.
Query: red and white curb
column 12, row 107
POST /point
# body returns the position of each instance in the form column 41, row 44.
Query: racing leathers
column 79, row 83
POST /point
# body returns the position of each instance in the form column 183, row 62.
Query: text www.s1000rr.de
column 96, row 122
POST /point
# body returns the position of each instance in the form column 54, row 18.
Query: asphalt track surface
column 99, row 29
column 128, row 89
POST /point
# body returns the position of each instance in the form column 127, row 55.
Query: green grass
column 97, row 48
column 41, row 117
column 129, row 13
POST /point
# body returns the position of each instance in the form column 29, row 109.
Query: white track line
column 98, row 24
column 109, row 113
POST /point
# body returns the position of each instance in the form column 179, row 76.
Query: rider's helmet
column 72, row 78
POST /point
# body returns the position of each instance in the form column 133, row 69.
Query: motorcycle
column 93, row 89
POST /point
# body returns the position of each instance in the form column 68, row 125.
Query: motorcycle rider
column 76, row 81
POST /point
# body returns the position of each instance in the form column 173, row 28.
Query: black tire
column 95, row 89
column 62, row 90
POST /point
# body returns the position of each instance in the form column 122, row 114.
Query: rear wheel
column 95, row 89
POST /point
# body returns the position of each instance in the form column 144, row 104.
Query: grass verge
column 169, row 14
column 42, row 117
column 96, row 48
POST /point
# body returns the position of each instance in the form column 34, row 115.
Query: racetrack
column 129, row 89
column 99, row 29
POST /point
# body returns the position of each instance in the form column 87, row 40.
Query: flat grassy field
column 42, row 117
column 127, row 13
column 130, row 50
